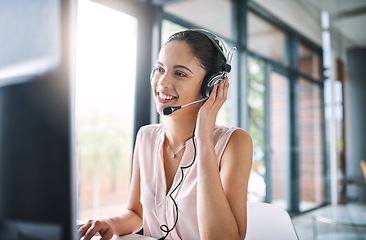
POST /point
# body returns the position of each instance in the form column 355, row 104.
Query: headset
column 211, row 80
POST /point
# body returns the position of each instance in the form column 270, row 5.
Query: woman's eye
column 159, row 69
column 180, row 74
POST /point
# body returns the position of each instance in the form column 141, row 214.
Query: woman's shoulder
column 220, row 131
column 242, row 136
column 239, row 147
column 223, row 129
column 151, row 127
column 151, row 130
column 235, row 134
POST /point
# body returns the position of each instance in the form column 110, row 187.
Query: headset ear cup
column 204, row 86
column 214, row 80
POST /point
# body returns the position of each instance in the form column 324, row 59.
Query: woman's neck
column 179, row 129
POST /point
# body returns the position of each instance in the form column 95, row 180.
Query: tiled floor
column 304, row 228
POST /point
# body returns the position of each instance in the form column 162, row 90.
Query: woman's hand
column 92, row 227
column 208, row 112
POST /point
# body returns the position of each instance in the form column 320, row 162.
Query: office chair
column 266, row 222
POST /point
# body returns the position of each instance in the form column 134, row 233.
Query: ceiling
column 347, row 16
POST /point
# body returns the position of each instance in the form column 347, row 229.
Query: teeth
column 165, row 97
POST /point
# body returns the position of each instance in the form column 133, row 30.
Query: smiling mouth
column 165, row 98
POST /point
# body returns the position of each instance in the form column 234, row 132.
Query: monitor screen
column 31, row 38
column 37, row 174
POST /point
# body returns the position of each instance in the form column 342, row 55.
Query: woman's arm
column 221, row 193
column 129, row 221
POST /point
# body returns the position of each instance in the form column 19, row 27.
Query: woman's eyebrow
column 177, row 66
column 181, row 66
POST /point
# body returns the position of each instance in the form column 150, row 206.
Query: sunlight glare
column 102, row 72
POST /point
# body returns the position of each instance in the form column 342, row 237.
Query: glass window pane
column 309, row 62
column 168, row 28
column 105, row 73
column 279, row 141
column 265, row 39
column 256, row 99
column 311, row 145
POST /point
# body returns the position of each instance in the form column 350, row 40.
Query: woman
column 190, row 177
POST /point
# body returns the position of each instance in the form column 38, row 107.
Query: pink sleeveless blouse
column 158, row 207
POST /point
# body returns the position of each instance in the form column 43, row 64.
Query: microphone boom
column 169, row 110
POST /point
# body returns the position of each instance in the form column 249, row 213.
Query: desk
column 351, row 216
column 350, row 188
column 132, row 237
column 127, row 237
column 355, row 181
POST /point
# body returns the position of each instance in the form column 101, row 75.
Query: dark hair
column 203, row 48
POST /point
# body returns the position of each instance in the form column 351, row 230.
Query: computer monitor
column 37, row 173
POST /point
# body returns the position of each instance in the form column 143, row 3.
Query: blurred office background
column 297, row 87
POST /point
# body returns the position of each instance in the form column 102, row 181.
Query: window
column 268, row 127
column 168, row 29
column 105, row 82
column 256, row 128
column 311, row 150
column 309, row 62
column 265, row 39
column 269, row 120
column 279, row 137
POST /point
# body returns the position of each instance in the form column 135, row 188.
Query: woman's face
column 177, row 78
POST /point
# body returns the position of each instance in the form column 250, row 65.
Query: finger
column 212, row 97
column 89, row 234
column 214, row 91
column 226, row 88
column 220, row 91
column 107, row 235
column 221, row 95
column 94, row 229
column 82, row 230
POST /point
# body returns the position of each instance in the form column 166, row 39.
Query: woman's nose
column 163, row 80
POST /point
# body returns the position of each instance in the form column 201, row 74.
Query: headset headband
column 220, row 46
